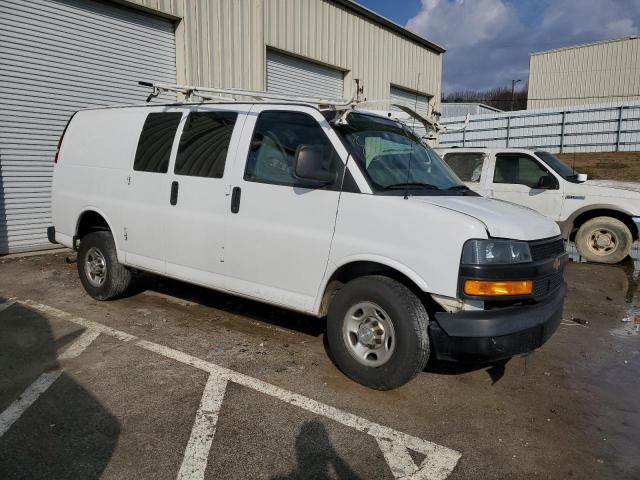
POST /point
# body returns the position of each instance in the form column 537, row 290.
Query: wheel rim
column 95, row 267
column 368, row 334
column 603, row 242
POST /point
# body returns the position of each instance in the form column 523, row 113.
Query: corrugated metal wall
column 589, row 128
column 596, row 73
column 225, row 44
column 57, row 57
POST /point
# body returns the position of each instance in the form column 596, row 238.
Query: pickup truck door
column 520, row 178
column 197, row 201
column 472, row 168
column 280, row 231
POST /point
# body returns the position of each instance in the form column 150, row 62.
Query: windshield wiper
column 400, row 186
column 459, row 187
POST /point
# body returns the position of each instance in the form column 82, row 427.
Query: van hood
column 501, row 219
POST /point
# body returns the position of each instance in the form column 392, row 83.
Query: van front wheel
column 101, row 275
column 377, row 332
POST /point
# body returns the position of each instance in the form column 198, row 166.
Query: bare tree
column 499, row 97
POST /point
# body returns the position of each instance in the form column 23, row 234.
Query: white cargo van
column 602, row 217
column 331, row 213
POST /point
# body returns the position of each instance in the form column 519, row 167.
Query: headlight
column 495, row 252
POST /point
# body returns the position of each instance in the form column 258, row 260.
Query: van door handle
column 235, row 200
column 174, row 193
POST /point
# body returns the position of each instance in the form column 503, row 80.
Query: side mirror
column 312, row 165
column 582, row 177
column 547, row 182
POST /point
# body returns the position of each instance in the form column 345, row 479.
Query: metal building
column 460, row 109
column 57, row 56
column 600, row 72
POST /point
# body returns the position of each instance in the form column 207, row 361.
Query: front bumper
column 489, row 335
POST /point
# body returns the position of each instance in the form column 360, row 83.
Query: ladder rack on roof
column 340, row 104
column 235, row 95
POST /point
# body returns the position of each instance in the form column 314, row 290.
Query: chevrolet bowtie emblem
column 556, row 263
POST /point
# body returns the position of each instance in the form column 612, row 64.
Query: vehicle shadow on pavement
column 301, row 323
column 254, row 310
column 316, row 457
column 495, row 370
column 66, row 433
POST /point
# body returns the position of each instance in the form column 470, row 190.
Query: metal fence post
column 464, row 136
column 508, row 130
column 564, row 117
column 620, row 111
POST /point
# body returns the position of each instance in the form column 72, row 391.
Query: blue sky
column 488, row 41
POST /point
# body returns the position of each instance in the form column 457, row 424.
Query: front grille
column 546, row 249
column 543, row 286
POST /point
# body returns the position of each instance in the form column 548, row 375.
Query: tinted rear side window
column 156, row 139
column 204, row 144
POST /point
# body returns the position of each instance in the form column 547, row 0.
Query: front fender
column 334, row 266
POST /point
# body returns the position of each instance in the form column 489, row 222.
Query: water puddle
column 629, row 325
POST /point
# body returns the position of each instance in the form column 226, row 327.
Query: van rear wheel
column 101, row 275
column 604, row 240
column 377, row 332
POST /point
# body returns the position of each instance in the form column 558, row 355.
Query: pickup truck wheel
column 377, row 332
column 101, row 275
column 604, row 240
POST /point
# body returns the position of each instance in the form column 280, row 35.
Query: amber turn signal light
column 486, row 288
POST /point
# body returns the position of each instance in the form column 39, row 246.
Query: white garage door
column 413, row 100
column 57, row 57
column 294, row 76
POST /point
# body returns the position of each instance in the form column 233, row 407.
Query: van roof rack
column 234, row 95
column 343, row 105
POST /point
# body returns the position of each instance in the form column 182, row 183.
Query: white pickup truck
column 602, row 217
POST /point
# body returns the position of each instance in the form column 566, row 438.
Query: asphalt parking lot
column 181, row 382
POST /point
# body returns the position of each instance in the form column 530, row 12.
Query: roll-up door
column 294, row 76
column 418, row 102
column 57, row 57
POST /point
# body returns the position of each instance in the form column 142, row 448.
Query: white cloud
column 488, row 41
column 462, row 23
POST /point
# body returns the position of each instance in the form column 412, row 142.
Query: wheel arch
column 359, row 267
column 92, row 219
column 582, row 215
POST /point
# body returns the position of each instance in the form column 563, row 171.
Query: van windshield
column 394, row 159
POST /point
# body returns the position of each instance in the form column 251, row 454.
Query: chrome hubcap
column 95, row 267
column 368, row 334
column 603, row 242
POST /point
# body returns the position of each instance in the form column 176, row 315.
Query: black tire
column 409, row 323
column 116, row 279
column 617, row 250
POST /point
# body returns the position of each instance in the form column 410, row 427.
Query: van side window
column 276, row 138
column 156, row 139
column 467, row 166
column 204, row 144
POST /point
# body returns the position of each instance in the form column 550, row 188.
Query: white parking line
column 80, row 344
column 30, row 395
column 439, row 460
column 194, row 463
column 42, row 383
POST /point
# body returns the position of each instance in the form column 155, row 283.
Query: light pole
column 513, row 91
